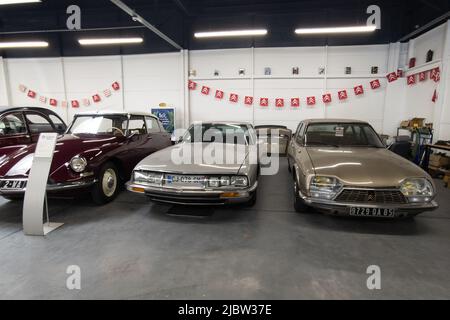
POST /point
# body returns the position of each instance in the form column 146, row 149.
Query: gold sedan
column 342, row 167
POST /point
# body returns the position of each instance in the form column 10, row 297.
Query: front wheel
column 252, row 201
column 106, row 188
column 299, row 204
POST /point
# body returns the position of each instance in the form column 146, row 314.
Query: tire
column 107, row 187
column 252, row 201
column 15, row 199
column 299, row 204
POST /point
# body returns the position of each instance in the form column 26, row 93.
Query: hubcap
column 109, row 183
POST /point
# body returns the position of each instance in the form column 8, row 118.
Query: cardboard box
column 416, row 122
column 439, row 161
column 404, row 124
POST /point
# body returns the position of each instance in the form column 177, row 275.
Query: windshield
column 221, row 133
column 342, row 135
column 114, row 125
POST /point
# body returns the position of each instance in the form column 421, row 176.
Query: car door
column 157, row 134
column 38, row 123
column 59, row 125
column 13, row 130
column 140, row 142
column 299, row 158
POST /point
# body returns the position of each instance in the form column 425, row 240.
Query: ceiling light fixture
column 361, row 29
column 4, row 2
column 106, row 41
column 23, row 44
column 231, row 33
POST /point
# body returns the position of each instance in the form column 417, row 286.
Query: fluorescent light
column 361, row 29
column 2, row 2
column 24, row 44
column 231, row 33
column 103, row 41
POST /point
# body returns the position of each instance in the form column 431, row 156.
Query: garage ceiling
column 179, row 19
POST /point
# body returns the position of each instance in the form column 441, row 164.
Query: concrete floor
column 131, row 249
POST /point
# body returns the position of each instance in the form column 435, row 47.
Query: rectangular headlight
column 214, row 182
column 239, row 181
column 324, row 187
column 147, row 178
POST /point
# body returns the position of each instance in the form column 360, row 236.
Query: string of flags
column 76, row 103
column 327, row 98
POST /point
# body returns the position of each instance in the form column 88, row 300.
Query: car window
column 152, row 125
column 299, row 135
column 12, row 124
column 136, row 125
column 220, row 133
column 101, row 124
column 38, row 123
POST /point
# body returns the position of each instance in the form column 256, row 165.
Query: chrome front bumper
column 194, row 197
column 51, row 188
column 343, row 208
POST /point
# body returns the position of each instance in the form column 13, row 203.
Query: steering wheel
column 120, row 131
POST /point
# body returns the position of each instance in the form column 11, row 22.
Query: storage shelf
column 319, row 77
column 422, row 66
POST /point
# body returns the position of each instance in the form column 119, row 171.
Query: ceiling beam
column 141, row 20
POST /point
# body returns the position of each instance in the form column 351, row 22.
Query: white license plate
column 372, row 212
column 13, row 184
column 185, row 181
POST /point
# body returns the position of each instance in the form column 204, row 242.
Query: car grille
column 371, row 196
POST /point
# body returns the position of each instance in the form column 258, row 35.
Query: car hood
column 176, row 159
column 364, row 167
column 67, row 146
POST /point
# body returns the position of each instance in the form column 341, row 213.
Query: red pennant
column 311, row 101
column 399, row 73
column 264, row 102
column 219, row 94
column 435, row 96
column 31, row 94
column 279, row 103
column 359, row 90
column 234, row 97
column 326, row 98
column 295, row 102
column 205, row 90
column 435, row 74
column 116, row 86
column 192, row 85
column 375, row 84
column 248, row 100
column 75, row 104
column 53, row 102
column 422, row 76
column 96, row 98
column 411, row 80
column 343, row 95
column 392, row 77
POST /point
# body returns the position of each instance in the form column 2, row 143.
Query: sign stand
column 36, row 193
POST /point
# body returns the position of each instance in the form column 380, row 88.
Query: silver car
column 211, row 164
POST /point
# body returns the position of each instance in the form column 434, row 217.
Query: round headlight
column 417, row 189
column 78, row 164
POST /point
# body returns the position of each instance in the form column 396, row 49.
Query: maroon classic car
column 96, row 154
column 22, row 126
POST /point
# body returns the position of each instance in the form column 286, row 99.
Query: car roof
column 39, row 109
column 309, row 121
column 230, row 123
column 113, row 112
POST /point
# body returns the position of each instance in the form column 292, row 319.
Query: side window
column 37, row 123
column 137, row 125
column 12, row 124
column 152, row 125
column 299, row 134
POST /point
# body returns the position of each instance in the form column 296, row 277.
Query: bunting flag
column 359, row 90
column 435, row 96
column 392, row 77
column 107, row 93
column 86, row 102
column 31, row 94
column 264, row 102
column 64, row 104
column 116, row 86
column 326, row 98
column 75, row 104
column 311, row 101
column 411, row 80
column 192, row 85
column 435, row 74
column 279, row 103
column 295, row 102
column 248, row 100
column 43, row 99
column 219, row 94
column 375, row 84
column 423, row 76
column 343, row 95
column 96, row 98
column 22, row 88
column 234, row 97
column 205, row 90
column 53, row 102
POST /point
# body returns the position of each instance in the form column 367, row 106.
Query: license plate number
column 372, row 212
column 176, row 180
column 13, row 184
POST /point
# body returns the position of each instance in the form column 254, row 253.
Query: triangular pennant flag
column 326, row 98
column 234, row 97
column 295, row 102
column 205, row 90
column 375, row 84
column 248, row 100
column 279, row 103
column 264, row 102
column 311, row 101
column 343, row 95
column 219, row 94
